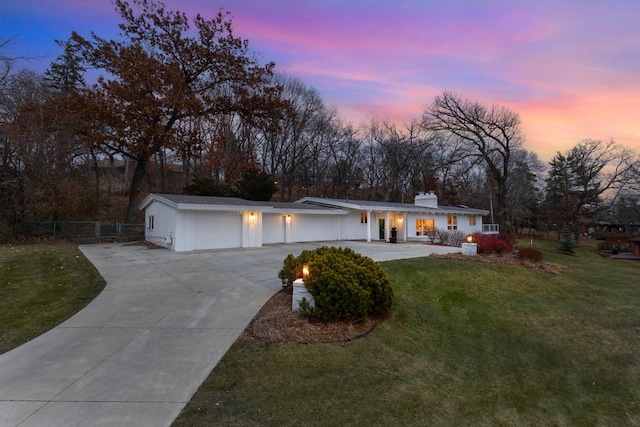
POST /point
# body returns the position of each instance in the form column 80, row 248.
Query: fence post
column 97, row 229
column 54, row 229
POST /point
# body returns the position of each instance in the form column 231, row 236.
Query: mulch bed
column 277, row 322
column 508, row 259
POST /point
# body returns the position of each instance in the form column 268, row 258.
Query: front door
column 381, row 225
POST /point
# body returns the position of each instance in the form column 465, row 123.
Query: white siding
column 351, row 228
column 315, row 228
column 163, row 224
column 273, row 228
column 463, row 224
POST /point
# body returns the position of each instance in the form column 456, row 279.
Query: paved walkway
column 137, row 353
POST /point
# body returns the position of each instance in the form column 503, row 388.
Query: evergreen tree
column 66, row 73
column 566, row 245
column 578, row 180
column 560, row 197
column 256, row 185
column 208, row 187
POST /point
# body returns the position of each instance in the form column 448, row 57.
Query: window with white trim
column 472, row 220
column 363, row 218
column 425, row 226
column 150, row 222
column 452, row 222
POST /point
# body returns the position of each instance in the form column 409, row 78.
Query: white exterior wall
column 351, row 228
column 164, row 218
column 273, row 228
column 251, row 226
column 315, row 228
column 463, row 224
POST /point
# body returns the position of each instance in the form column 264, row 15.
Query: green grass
column 468, row 344
column 41, row 285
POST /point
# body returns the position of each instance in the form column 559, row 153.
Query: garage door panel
column 218, row 231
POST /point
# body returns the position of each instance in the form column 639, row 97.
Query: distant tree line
column 182, row 105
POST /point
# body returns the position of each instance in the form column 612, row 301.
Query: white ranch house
column 188, row 223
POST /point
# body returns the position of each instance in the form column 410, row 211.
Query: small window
column 363, row 218
column 150, row 222
column 472, row 220
column 452, row 222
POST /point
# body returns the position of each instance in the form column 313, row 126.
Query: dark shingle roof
column 184, row 199
column 308, row 204
column 387, row 206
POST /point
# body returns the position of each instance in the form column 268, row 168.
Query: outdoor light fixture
column 469, row 238
column 252, row 218
column 288, row 219
column 305, row 271
column 400, row 219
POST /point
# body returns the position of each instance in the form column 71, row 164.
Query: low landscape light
column 469, row 238
column 305, row 271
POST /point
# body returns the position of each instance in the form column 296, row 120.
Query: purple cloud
column 570, row 68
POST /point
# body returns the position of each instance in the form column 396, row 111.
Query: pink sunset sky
column 570, row 68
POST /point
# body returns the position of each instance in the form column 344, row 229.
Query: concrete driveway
column 137, row 353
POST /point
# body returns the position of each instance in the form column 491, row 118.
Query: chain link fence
column 84, row 230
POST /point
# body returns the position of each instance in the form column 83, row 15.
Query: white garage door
column 218, row 230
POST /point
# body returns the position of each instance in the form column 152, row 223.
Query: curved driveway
column 137, row 353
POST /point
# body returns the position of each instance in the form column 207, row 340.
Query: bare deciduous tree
column 491, row 134
column 286, row 143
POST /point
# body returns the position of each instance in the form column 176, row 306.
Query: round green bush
column 344, row 284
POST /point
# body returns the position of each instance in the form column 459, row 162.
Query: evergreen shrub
column 344, row 284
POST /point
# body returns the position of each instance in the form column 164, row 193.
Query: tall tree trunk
column 135, row 189
column 96, row 201
column 163, row 183
column 501, row 199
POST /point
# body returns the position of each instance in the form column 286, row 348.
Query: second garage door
column 217, row 231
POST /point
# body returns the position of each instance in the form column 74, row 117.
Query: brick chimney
column 427, row 200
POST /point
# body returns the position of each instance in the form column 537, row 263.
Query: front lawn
column 468, row 343
column 41, row 285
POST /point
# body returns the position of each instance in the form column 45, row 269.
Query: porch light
column 288, row 219
column 305, row 271
column 400, row 218
column 252, row 217
column 469, row 238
